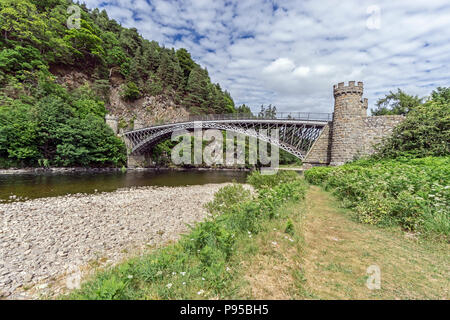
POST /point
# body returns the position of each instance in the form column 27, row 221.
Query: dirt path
column 333, row 253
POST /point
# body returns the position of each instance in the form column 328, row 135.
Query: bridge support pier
column 139, row 161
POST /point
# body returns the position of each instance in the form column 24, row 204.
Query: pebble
column 46, row 234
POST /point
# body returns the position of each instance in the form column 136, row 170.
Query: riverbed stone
column 46, row 235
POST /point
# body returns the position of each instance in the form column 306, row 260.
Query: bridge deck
column 280, row 118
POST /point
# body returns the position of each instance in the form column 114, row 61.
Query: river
column 31, row 186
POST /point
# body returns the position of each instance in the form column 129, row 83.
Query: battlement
column 351, row 88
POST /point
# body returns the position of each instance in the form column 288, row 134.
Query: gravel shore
column 44, row 240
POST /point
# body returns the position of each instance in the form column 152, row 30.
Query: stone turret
column 349, row 110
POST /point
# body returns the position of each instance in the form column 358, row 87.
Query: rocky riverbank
column 103, row 170
column 44, row 242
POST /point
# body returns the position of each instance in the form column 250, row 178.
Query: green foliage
column 425, row 132
column 34, row 40
column 399, row 103
column 317, row 175
column 260, row 181
column 289, row 228
column 196, row 266
column 413, row 193
column 244, row 109
column 58, row 133
column 130, row 91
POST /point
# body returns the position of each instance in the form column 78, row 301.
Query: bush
column 130, row 91
column 317, row 175
column 259, row 181
column 413, row 193
column 425, row 132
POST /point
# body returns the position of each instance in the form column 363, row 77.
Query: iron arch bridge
column 297, row 132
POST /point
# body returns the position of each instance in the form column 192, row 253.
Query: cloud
column 290, row 53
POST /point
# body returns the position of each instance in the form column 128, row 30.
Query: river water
column 30, row 186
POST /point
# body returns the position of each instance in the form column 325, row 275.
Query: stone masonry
column 351, row 133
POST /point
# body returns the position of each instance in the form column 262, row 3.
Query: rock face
column 43, row 239
column 122, row 115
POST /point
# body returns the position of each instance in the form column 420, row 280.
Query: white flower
column 183, row 273
column 130, row 276
column 228, row 269
column 174, row 273
column 203, row 279
column 274, row 243
column 169, row 285
column 184, row 283
column 201, row 292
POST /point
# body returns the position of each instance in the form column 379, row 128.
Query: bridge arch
column 296, row 136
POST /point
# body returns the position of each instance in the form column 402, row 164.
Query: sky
column 291, row 53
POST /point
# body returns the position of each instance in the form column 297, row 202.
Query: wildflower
column 183, row 273
column 228, row 269
column 274, row 243
column 203, row 279
column 184, row 283
column 174, row 273
column 130, row 276
column 201, row 292
column 169, row 285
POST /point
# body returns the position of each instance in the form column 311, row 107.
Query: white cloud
column 290, row 53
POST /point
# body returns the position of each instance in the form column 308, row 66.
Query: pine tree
column 197, row 98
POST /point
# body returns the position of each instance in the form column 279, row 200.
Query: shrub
column 130, row 91
column 413, row 193
column 259, row 181
column 317, row 175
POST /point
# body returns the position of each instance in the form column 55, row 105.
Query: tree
column 130, row 91
column 425, row 132
column 169, row 70
column 244, row 109
column 186, row 64
column 399, row 103
column 197, row 97
column 441, row 95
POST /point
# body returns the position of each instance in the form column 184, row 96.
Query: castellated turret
column 348, row 99
column 352, row 133
column 349, row 109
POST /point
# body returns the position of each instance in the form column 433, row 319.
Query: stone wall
column 320, row 152
column 374, row 129
column 113, row 123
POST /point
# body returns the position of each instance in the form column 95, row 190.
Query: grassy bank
column 204, row 263
column 328, row 254
column 284, row 241
column 412, row 193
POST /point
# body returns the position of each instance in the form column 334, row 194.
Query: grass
column 278, row 246
column 331, row 252
column 202, row 264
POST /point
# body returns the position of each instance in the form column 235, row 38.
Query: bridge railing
column 276, row 116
